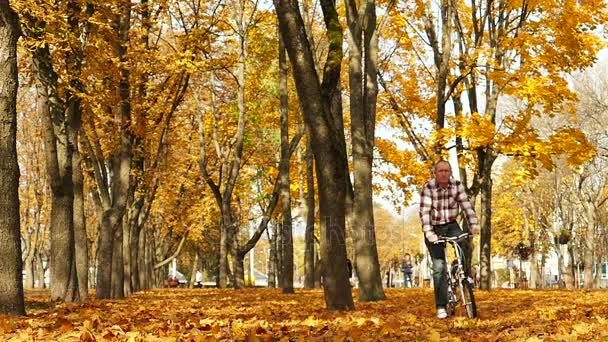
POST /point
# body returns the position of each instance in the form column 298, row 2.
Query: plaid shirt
column 440, row 206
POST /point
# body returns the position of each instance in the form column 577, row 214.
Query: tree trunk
column 238, row 266
column 114, row 198
column 105, row 250
column 193, row 269
column 80, row 233
column 30, row 259
column 533, row 282
column 11, row 279
column 143, row 261
column 363, row 69
column 286, row 231
column 278, row 255
column 309, row 252
column 58, row 155
column 485, row 251
column 40, row 271
column 28, row 266
column 126, row 256
column 118, row 275
column 331, row 166
column 136, row 252
column 272, row 259
column 589, row 246
column 223, row 256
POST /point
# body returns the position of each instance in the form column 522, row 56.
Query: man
column 440, row 202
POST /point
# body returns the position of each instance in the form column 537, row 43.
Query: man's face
column 442, row 173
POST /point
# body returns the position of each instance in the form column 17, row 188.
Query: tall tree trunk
column 363, row 92
column 114, row 200
column 74, row 114
column 11, row 279
column 309, row 252
column 58, row 153
column 331, row 165
column 485, row 250
column 80, row 233
column 286, row 228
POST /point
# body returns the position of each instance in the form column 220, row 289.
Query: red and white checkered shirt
column 440, row 206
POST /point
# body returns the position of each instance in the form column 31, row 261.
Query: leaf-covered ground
column 269, row 315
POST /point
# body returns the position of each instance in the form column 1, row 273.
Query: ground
column 269, row 315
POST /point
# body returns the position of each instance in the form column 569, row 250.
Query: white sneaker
column 441, row 313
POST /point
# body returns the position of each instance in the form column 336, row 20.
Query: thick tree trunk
column 534, row 281
column 567, row 269
column 105, row 250
column 118, row 275
column 115, row 198
column 309, row 252
column 589, row 247
column 363, row 91
column 238, row 266
column 11, row 279
column 64, row 282
column 58, row 155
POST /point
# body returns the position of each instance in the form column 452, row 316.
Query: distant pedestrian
column 407, row 269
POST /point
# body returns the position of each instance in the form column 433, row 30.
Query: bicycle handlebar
column 443, row 239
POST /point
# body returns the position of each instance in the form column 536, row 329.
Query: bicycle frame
column 459, row 279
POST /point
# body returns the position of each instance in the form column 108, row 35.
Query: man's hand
column 474, row 230
column 432, row 237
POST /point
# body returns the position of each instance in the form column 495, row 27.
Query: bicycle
column 456, row 278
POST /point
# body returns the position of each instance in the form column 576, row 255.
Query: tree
column 286, row 226
column 57, row 114
column 363, row 62
column 331, row 165
column 11, row 281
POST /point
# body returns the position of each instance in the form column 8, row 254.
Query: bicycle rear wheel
column 468, row 299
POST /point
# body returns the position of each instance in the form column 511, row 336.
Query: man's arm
column 426, row 203
column 466, row 206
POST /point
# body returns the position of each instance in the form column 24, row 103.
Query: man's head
column 442, row 172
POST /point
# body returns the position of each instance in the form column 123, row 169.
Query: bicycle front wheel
column 468, row 299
